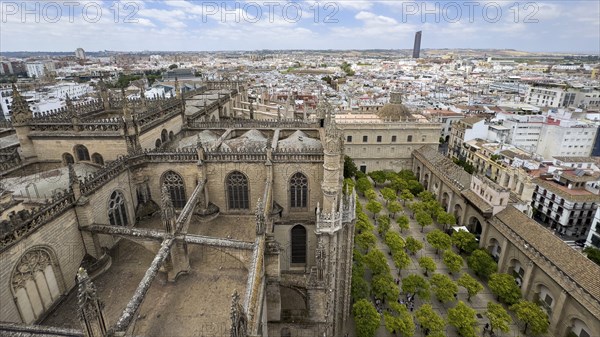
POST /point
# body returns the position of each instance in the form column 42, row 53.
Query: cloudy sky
column 567, row 26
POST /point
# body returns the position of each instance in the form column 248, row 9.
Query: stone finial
column 20, row 108
column 239, row 321
column 168, row 211
column 73, row 179
column 89, row 307
column 260, row 217
column 323, row 108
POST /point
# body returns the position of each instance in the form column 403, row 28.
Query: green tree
column 443, row 287
column 426, row 196
column 505, row 287
column 423, row 219
column 363, row 184
column 407, row 175
column 363, row 224
column 470, row 284
column 403, row 223
column 370, row 194
column 374, row 207
column 383, row 286
column 593, row 254
column 439, row 240
column 533, row 316
column 464, row 241
column 445, row 219
column 377, row 262
column 378, row 177
column 499, row 318
column 394, row 207
column 395, row 242
column 349, row 167
column 413, row 245
column 366, row 318
column 482, row 263
column 398, row 184
column 401, row 260
column 360, row 287
column 415, row 187
column 406, row 195
column 453, row 261
column 462, row 317
column 427, row 264
column 388, row 194
column 348, row 186
column 399, row 321
column 430, row 320
column 173, row 66
column 365, row 240
column 416, row 284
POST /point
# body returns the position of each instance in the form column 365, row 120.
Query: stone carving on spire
column 239, row 321
column 321, row 263
column 333, row 137
column 89, row 307
column 73, row 179
column 21, row 113
column 260, row 217
column 168, row 211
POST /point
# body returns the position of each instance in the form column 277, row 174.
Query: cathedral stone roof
column 395, row 110
column 299, row 141
column 206, row 137
column 251, row 140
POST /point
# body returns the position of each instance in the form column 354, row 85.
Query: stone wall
column 60, row 236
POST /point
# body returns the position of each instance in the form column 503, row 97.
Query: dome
column 395, row 110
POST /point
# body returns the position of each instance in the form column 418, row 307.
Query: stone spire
column 104, row 96
column 176, row 87
column 333, row 136
column 127, row 110
column 21, row 113
column 260, row 217
column 89, row 307
column 168, row 211
column 239, row 321
column 74, row 182
column 69, row 105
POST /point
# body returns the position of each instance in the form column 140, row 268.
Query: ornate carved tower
column 21, row 118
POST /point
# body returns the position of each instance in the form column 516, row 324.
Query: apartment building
column 566, row 200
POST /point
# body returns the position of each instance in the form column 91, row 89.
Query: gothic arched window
column 97, row 158
column 237, row 191
column 117, row 213
column 164, row 136
column 298, row 191
column 174, row 184
column 35, row 284
column 157, row 144
column 82, row 153
column 298, row 244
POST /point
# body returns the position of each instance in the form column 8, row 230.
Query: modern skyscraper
column 80, row 53
column 417, row 47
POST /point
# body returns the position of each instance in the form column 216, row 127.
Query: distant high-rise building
column 80, row 53
column 417, row 47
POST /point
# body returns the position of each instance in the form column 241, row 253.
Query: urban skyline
column 341, row 25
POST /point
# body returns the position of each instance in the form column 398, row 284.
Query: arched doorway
column 426, row 182
column 475, row 226
column 544, row 298
column 458, row 214
column 445, row 201
column 494, row 249
column 578, row 328
column 516, row 270
column 418, row 173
